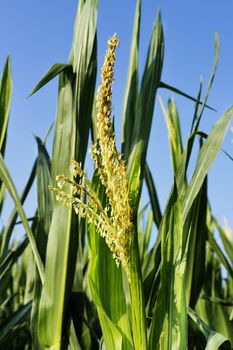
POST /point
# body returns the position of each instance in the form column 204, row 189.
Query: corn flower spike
column 109, row 163
column 111, row 169
column 113, row 222
column 92, row 212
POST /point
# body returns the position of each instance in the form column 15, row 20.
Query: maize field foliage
column 85, row 275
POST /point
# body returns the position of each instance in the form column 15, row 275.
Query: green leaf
column 136, row 284
column 157, row 216
column 146, row 98
column 214, row 315
column 73, row 341
column 106, row 280
column 196, row 234
column 206, row 157
column 175, row 139
column 14, row 325
column 136, row 163
column 44, row 197
column 45, row 207
column 6, row 178
column 218, row 300
column 29, row 270
column 84, row 62
column 76, row 92
column 134, row 179
column 85, row 327
column 220, row 254
column 195, row 115
column 5, row 100
column 81, row 3
column 137, row 294
column 226, row 240
column 7, row 233
column 184, row 161
column 11, row 257
column 214, row 340
column 179, row 92
column 84, row 37
column 131, row 90
column 7, row 261
column 169, row 325
column 60, row 238
column 55, row 70
column 146, row 238
column 2, row 197
column 198, row 117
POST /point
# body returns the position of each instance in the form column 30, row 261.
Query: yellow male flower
column 114, row 221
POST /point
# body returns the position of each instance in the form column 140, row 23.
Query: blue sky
column 38, row 34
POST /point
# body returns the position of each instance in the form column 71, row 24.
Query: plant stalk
column 137, row 295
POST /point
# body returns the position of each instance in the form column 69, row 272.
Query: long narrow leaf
column 7, row 261
column 179, row 92
column 220, row 254
column 146, row 98
column 6, row 178
column 5, row 99
column 216, row 55
column 44, row 212
column 106, row 279
column 214, row 339
column 55, row 70
column 196, row 234
column 206, row 157
column 9, row 333
column 169, row 324
column 59, row 240
column 76, row 91
column 226, row 240
column 131, row 91
column 14, row 214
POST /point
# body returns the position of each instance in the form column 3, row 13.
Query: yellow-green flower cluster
column 109, row 163
column 81, row 188
column 113, row 222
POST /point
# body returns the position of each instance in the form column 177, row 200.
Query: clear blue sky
column 38, row 34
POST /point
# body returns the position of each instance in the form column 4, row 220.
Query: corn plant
column 85, row 276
